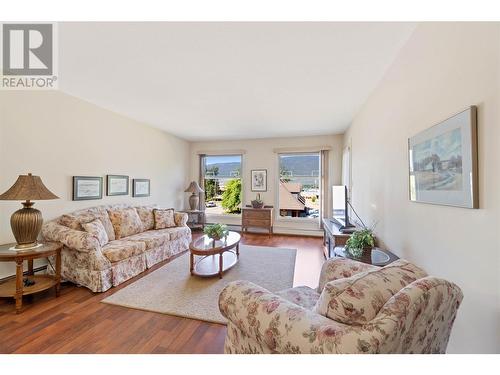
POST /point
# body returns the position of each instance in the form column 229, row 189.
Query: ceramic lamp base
column 194, row 200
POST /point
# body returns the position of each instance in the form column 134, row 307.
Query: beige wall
column 57, row 136
column 442, row 70
column 259, row 154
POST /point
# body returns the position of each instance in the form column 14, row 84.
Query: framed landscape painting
column 140, row 187
column 443, row 162
column 259, row 179
column 87, row 188
column 116, row 185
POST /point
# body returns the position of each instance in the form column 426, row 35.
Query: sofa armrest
column 180, row 219
column 276, row 324
column 340, row 268
column 73, row 239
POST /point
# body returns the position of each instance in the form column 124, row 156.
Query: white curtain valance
column 284, row 150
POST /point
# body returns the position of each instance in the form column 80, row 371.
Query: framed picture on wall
column 116, row 185
column 141, row 187
column 86, row 188
column 443, row 162
column 259, row 179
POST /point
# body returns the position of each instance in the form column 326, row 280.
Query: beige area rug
column 172, row 290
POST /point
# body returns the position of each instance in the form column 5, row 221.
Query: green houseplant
column 360, row 243
column 216, row 231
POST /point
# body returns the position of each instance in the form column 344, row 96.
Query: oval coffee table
column 215, row 257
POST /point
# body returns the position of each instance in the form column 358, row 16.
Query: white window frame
column 288, row 219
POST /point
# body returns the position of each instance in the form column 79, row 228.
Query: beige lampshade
column 194, row 188
column 28, row 187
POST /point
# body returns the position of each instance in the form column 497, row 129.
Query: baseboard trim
column 25, row 273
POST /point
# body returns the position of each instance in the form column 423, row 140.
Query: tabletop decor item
column 194, row 198
column 141, row 187
column 257, row 202
column 116, row 185
column 443, row 162
column 360, row 243
column 87, row 188
column 216, row 231
column 259, row 179
column 26, row 223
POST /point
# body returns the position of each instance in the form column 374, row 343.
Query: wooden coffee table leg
column 58, row 273
column 238, row 250
column 19, row 285
column 30, row 267
column 191, row 263
column 220, row 265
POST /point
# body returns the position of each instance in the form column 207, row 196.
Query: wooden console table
column 15, row 287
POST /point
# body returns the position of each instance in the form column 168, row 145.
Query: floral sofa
column 357, row 308
column 97, row 265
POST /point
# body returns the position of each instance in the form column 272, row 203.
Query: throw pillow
column 75, row 221
column 147, row 217
column 96, row 229
column 164, row 218
column 359, row 298
column 126, row 222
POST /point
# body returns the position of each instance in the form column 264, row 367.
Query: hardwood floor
column 77, row 322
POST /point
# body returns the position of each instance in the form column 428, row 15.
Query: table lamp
column 194, row 198
column 26, row 223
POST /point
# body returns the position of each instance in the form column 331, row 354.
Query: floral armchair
column 394, row 309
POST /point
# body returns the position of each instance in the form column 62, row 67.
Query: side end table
column 15, row 287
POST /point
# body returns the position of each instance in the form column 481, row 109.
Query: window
column 299, row 185
column 222, row 184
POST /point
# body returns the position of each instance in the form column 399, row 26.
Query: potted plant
column 216, row 231
column 257, row 202
column 360, row 243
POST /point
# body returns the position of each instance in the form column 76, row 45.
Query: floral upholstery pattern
column 301, row 295
column 164, row 218
column 181, row 218
column 152, row 238
column 75, row 221
column 126, row 222
column 147, row 218
column 122, row 249
column 75, row 239
column 340, row 269
column 175, row 232
column 417, row 319
column 87, row 263
column 96, row 229
column 359, row 298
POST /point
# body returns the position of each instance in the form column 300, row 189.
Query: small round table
column 15, row 287
column 216, row 256
column 378, row 257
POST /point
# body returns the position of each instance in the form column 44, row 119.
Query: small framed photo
column 87, row 188
column 141, row 187
column 116, row 185
column 259, row 179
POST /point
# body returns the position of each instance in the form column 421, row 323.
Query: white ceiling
column 205, row 81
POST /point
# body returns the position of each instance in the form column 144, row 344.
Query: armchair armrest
column 180, row 219
column 73, row 239
column 339, row 268
column 277, row 325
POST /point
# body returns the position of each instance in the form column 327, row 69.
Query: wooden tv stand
column 332, row 237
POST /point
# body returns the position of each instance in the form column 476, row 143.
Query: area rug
column 172, row 290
